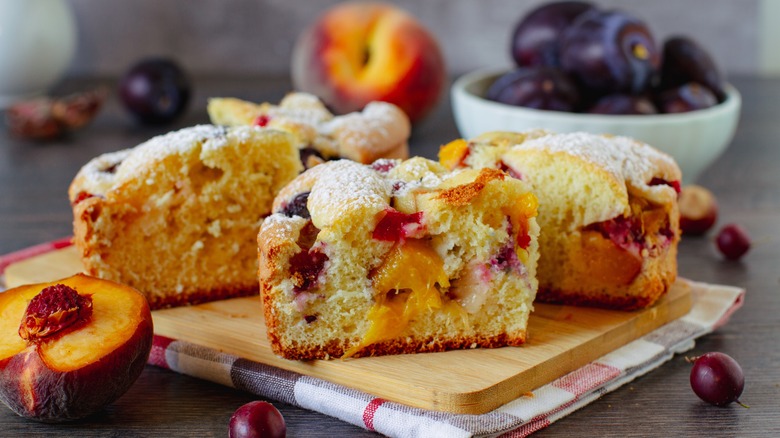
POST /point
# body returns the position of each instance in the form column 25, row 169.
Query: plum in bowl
column 695, row 139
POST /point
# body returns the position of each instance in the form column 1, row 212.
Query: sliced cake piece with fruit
column 176, row 217
column 398, row 257
column 607, row 209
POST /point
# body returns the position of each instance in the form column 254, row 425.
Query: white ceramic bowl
column 695, row 139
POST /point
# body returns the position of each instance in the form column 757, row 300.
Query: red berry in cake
column 506, row 259
column 257, row 419
column 81, row 196
column 395, row 226
column 383, row 165
column 297, row 206
column 733, row 241
column 509, row 170
column 262, row 120
column 660, row 181
column 717, row 379
column 698, row 210
column 306, row 268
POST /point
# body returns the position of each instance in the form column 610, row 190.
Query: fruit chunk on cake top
column 380, row 130
column 177, row 216
column 607, row 209
column 397, row 257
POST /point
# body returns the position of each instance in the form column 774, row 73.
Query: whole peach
column 360, row 52
column 62, row 363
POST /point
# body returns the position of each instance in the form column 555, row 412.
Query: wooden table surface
column 746, row 180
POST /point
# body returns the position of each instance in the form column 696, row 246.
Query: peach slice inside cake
column 454, row 153
column 524, row 208
column 614, row 266
column 407, row 285
column 621, row 244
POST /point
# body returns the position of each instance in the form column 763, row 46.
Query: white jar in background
column 37, row 44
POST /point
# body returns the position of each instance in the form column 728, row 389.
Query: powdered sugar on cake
column 625, row 158
column 173, row 143
column 301, row 108
column 99, row 173
column 418, row 175
column 375, row 126
column 110, row 169
column 350, row 186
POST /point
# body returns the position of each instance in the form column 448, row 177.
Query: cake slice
column 380, row 130
column 397, row 257
column 177, row 216
column 607, row 211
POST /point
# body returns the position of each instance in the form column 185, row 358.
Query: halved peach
column 84, row 360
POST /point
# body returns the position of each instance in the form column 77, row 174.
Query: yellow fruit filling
column 524, row 208
column 406, row 286
column 453, row 153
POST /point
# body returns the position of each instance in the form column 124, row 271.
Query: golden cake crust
column 464, row 223
column 608, row 212
column 166, row 216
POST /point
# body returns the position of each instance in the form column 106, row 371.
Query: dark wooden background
column 746, row 180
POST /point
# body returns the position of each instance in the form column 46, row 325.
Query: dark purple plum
column 536, row 35
column 610, row 52
column 536, row 87
column 155, row 90
column 685, row 98
column 717, row 379
column 257, row 419
column 684, row 60
column 623, row 104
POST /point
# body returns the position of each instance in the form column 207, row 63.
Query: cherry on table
column 257, row 419
column 733, row 241
column 717, row 379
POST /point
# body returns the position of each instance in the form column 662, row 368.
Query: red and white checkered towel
column 712, row 307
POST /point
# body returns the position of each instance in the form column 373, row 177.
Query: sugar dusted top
column 625, row 158
column 106, row 171
column 379, row 126
column 347, row 186
column 301, row 108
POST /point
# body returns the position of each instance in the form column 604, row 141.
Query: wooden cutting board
column 561, row 339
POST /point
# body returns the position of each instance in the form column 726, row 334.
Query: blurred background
column 250, row 37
